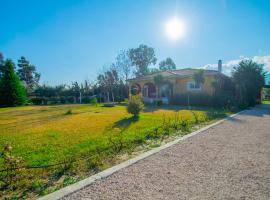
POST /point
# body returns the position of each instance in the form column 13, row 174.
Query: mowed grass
column 44, row 135
column 83, row 140
column 266, row 102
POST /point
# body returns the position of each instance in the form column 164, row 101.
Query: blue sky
column 72, row 40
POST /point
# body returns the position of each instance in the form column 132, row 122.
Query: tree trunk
column 112, row 97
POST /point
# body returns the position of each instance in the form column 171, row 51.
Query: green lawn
column 266, row 102
column 44, row 135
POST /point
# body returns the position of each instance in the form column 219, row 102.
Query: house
column 177, row 82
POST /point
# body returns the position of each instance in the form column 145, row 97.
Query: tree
column 12, row 92
column 249, row 78
column 167, row 64
column 198, row 77
column 28, row 74
column 1, row 64
column 141, row 58
column 108, row 82
column 135, row 105
column 124, row 66
column 159, row 81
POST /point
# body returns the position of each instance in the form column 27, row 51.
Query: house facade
column 176, row 83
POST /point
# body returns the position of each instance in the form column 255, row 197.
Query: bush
column 69, row 112
column 94, row 101
column 86, row 100
column 198, row 99
column 37, row 100
column 158, row 102
column 135, row 105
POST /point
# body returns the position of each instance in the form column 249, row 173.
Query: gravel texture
column 228, row 161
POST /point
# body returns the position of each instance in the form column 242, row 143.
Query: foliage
column 1, row 64
column 28, row 74
column 196, row 99
column 198, row 77
column 109, row 81
column 10, row 163
column 12, row 93
column 94, row 101
column 69, row 112
column 266, row 93
column 167, row 64
column 135, row 105
column 141, row 58
column 123, row 65
column 249, row 78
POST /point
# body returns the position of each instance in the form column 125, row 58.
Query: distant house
column 177, row 82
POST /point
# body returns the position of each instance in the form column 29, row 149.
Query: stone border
column 88, row 181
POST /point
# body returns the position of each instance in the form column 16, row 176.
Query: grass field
column 266, row 102
column 44, row 135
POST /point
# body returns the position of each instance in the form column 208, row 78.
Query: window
column 191, row 86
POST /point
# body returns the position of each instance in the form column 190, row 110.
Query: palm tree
column 198, row 77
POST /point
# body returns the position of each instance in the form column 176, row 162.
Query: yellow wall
column 180, row 85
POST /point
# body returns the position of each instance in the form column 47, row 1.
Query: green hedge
column 199, row 99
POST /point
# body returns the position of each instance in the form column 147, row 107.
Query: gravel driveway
column 228, row 161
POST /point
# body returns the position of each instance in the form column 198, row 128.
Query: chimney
column 220, row 66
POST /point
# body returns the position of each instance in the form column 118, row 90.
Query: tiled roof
column 177, row 72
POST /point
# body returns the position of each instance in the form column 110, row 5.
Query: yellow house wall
column 180, row 85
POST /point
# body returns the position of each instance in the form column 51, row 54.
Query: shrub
column 86, row 100
column 69, row 112
column 37, row 100
column 94, row 101
column 135, row 105
column 158, row 102
column 108, row 105
column 198, row 99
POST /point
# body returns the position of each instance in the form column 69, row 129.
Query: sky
column 72, row 40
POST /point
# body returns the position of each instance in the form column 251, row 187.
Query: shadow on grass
column 176, row 108
column 124, row 123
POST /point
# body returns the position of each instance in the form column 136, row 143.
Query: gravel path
column 228, row 161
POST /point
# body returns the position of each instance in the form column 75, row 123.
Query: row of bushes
column 223, row 100
column 61, row 100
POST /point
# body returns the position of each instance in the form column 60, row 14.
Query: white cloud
column 227, row 66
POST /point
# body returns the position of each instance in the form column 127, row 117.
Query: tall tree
column 28, row 74
column 1, row 64
column 12, row 92
column 141, row 58
column 124, row 66
column 109, row 81
column 249, row 78
column 167, row 64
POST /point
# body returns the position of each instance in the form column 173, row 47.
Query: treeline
column 19, row 83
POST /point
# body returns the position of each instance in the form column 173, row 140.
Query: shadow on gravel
column 233, row 119
column 258, row 111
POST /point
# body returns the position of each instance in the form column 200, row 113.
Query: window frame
column 193, row 88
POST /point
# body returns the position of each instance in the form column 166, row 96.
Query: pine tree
column 28, row 74
column 12, row 92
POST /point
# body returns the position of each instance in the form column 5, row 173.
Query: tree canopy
column 249, row 78
column 28, row 74
column 167, row 64
column 12, row 93
column 198, row 77
column 142, row 57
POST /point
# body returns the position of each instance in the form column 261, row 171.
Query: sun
column 175, row 29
